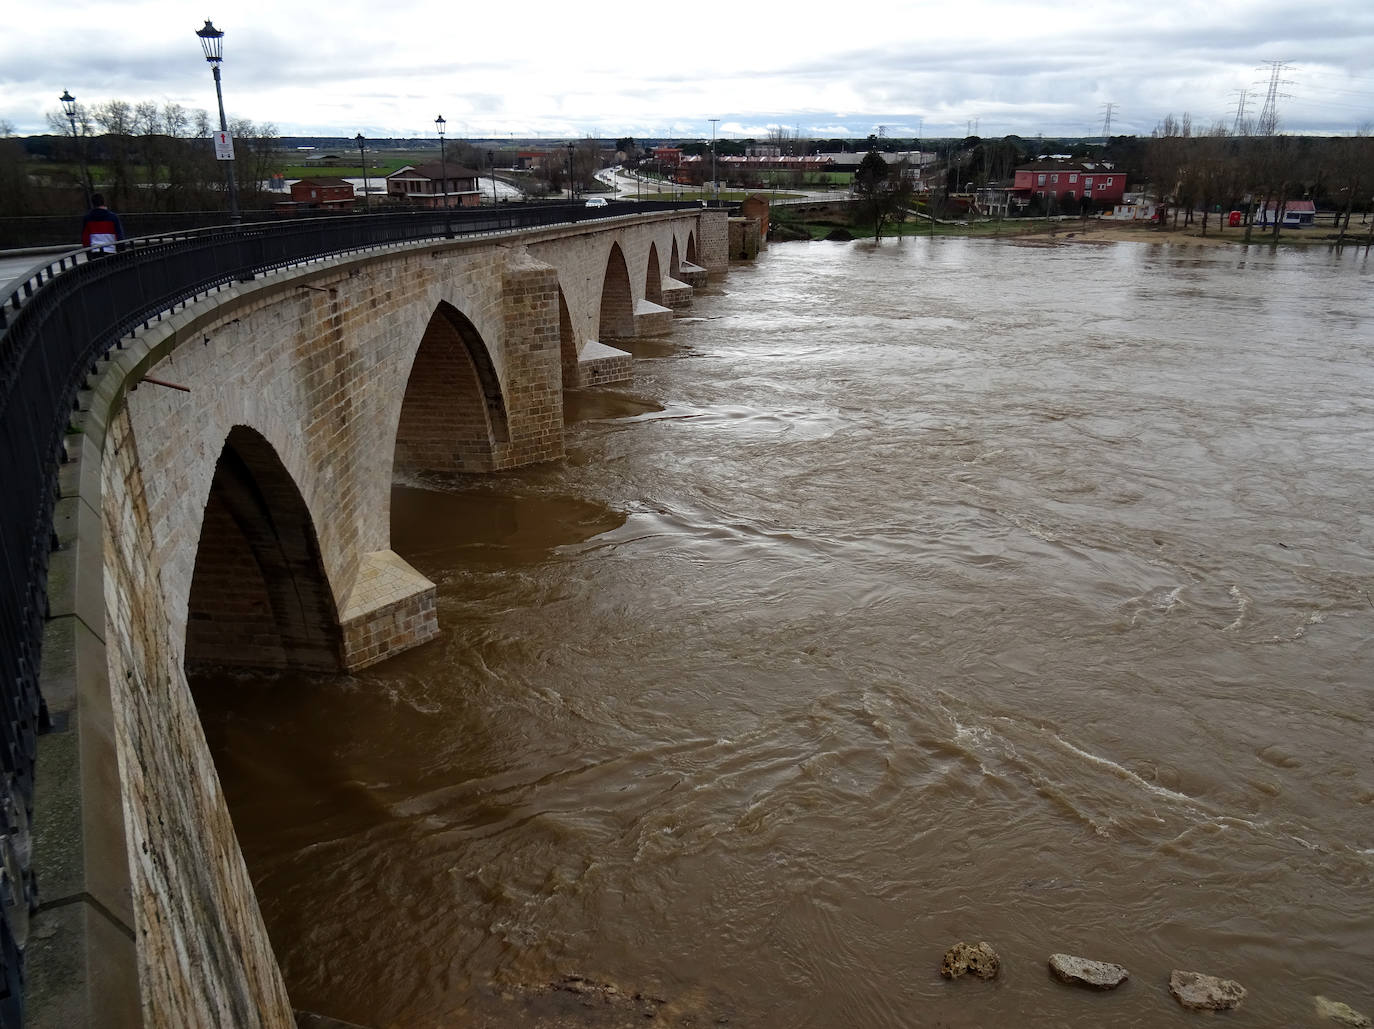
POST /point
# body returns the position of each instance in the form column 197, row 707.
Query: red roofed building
column 1065, row 181
column 1296, row 214
column 425, row 185
column 325, row 191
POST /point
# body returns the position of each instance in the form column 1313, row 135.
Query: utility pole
column 1240, row 126
column 1108, row 108
column 715, row 186
column 1269, row 115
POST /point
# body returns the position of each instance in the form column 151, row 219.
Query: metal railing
column 56, row 323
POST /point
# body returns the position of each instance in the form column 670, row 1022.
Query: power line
column 1268, row 123
column 1107, row 121
column 1241, row 125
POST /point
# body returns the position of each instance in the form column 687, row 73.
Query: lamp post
column 69, row 109
column 572, row 191
column 362, row 156
column 715, row 186
column 439, row 124
column 212, row 42
column 491, row 164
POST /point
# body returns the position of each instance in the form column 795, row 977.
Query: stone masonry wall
column 314, row 362
column 204, row 957
column 745, row 236
column 533, row 383
column 713, row 242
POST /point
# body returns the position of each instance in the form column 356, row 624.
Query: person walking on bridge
column 100, row 229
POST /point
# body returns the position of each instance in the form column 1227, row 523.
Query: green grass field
column 380, row 170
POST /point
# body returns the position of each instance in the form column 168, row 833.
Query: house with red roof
column 1065, row 181
column 434, row 185
column 1296, row 214
column 324, row 191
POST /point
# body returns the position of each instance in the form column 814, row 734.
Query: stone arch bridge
column 226, row 499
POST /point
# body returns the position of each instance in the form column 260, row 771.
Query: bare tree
column 1354, row 166
column 255, row 156
column 115, row 119
column 873, row 186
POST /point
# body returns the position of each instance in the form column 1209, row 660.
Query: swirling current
column 934, row 591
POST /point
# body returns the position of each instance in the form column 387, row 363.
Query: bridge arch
column 617, row 319
column 260, row 596
column 674, row 261
column 653, row 277
column 453, row 414
column 567, row 342
column 692, row 248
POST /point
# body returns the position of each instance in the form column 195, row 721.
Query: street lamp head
column 68, row 104
column 359, row 140
column 439, row 124
column 212, row 42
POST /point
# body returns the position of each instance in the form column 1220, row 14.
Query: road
column 13, row 266
column 626, row 186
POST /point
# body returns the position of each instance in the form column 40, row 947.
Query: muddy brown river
column 949, row 590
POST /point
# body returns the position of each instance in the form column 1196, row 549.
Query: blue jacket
column 101, row 228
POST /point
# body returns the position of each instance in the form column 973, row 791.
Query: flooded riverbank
column 940, row 590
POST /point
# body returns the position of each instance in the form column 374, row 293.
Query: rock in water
column 1100, row 975
column 979, row 958
column 1200, row 992
column 1343, row 1014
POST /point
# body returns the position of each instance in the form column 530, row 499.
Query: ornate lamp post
column 362, row 156
column 212, row 42
column 572, row 192
column 69, row 109
column 491, row 164
column 439, row 124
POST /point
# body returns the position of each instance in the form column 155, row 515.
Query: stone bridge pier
column 228, row 503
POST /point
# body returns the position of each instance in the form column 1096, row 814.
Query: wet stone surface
column 1199, row 992
column 1341, row 1014
column 1097, row 975
column 975, row 958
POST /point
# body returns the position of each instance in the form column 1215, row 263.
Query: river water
column 949, row 590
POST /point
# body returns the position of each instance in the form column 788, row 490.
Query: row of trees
column 142, row 157
column 1219, row 171
column 1196, row 175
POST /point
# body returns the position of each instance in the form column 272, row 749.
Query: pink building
column 1065, row 181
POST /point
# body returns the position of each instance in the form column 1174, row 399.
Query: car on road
column 596, row 202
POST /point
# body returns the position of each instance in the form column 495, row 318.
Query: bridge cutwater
column 200, row 435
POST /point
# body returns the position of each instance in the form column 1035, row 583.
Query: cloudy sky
column 651, row 69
